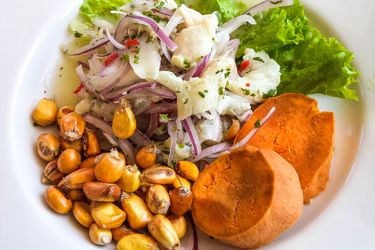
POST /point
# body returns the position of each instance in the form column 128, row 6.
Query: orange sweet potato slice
column 301, row 134
column 247, row 198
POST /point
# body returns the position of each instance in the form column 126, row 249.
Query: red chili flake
column 79, row 88
column 131, row 42
column 247, row 84
column 244, row 65
column 110, row 59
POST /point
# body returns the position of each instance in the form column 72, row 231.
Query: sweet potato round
column 301, row 134
column 247, row 198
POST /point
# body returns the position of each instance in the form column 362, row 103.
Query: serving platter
column 343, row 217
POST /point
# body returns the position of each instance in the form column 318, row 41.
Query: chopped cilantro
column 227, row 74
column 245, row 91
column 181, row 145
column 186, row 64
column 219, row 71
column 186, row 101
column 202, row 94
column 259, row 59
column 270, row 93
column 257, row 124
column 77, row 34
column 205, row 91
column 221, row 91
column 125, row 58
column 163, row 117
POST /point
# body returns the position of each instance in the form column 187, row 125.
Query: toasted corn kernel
column 179, row 224
column 162, row 230
column 81, row 211
column 100, row 191
column 109, row 166
column 91, row 145
column 130, row 179
column 142, row 192
column 69, row 161
column 100, row 236
column 65, row 144
column 136, row 211
column 77, row 179
column 75, row 194
column 137, row 242
column 88, row 163
column 146, row 156
column 124, row 123
column 233, row 130
column 44, row 113
column 64, row 111
column 51, row 175
column 57, row 200
column 181, row 200
column 72, row 126
column 187, row 170
column 107, row 215
column 180, row 181
column 158, row 175
column 118, row 233
column 158, row 200
column 48, row 147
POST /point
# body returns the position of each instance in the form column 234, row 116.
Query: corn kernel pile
column 139, row 206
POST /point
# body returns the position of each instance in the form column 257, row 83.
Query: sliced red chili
column 244, row 65
column 131, row 42
column 110, row 59
column 79, row 88
column 247, row 84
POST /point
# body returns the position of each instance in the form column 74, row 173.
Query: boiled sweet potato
column 301, row 134
column 247, row 198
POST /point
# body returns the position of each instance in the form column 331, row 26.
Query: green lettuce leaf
column 310, row 62
column 226, row 9
column 93, row 10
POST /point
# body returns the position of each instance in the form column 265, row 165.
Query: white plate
column 343, row 217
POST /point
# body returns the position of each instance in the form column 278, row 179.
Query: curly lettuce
column 96, row 12
column 310, row 62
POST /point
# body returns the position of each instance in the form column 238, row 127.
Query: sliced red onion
column 154, row 122
column 195, row 234
column 235, row 23
column 267, row 5
column 113, row 40
column 254, row 130
column 190, row 73
column 245, row 116
column 112, row 80
column 207, row 152
column 140, row 139
column 121, row 92
column 128, row 150
column 110, row 69
column 121, row 29
column 163, row 12
column 233, row 46
column 219, row 124
column 161, row 108
column 169, row 27
column 194, row 139
column 90, row 47
column 180, row 131
column 202, row 65
column 158, row 30
column 172, row 131
column 85, row 65
column 99, row 123
column 110, row 139
column 81, row 74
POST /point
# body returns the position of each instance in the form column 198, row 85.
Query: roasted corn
column 69, row 161
column 187, row 169
column 47, row 146
column 146, row 156
column 124, row 123
column 181, row 200
column 91, row 145
column 158, row 175
column 109, row 166
column 77, row 179
column 137, row 242
column 44, row 113
column 100, row 236
column 57, row 200
column 130, row 179
column 179, row 224
column 51, row 175
column 158, row 200
column 100, row 191
column 72, row 126
column 107, row 215
column 162, row 230
column 136, row 210
column 81, row 211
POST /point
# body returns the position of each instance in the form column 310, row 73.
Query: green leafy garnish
column 257, row 124
column 310, row 62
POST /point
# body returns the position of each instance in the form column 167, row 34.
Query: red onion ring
column 128, row 150
column 154, row 122
column 163, row 11
column 158, row 30
column 194, row 139
column 172, row 131
column 202, row 65
column 162, row 108
column 207, row 152
column 90, row 47
column 114, row 41
column 140, row 139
